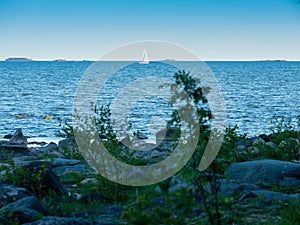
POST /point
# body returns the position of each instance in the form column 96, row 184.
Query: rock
column 30, row 202
column 68, row 144
column 271, row 172
column 8, row 136
column 39, row 143
column 265, row 137
column 258, row 140
column 169, row 134
column 269, row 196
column 51, row 147
column 12, row 150
column 142, row 155
column 65, row 162
column 24, row 210
column 157, row 154
column 289, row 182
column 140, row 135
column 49, row 180
column 79, row 168
column 18, row 138
column 21, row 215
column 10, row 193
column 245, row 141
column 89, row 180
column 231, row 187
column 15, row 147
column 113, row 210
column 53, row 220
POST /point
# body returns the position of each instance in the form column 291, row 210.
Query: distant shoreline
column 24, row 59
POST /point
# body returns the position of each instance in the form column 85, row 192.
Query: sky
column 213, row 29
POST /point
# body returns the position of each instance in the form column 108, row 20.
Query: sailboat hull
column 143, row 62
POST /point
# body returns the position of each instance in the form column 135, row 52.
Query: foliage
column 205, row 184
column 66, row 129
column 285, row 136
column 290, row 214
column 24, row 177
column 199, row 202
column 284, row 143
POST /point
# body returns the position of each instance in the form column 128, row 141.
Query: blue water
column 254, row 92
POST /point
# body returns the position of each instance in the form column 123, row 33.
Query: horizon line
column 24, row 59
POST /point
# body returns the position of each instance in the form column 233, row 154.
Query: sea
column 38, row 96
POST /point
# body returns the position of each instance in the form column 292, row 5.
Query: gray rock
column 245, row 141
column 18, row 138
column 9, row 150
column 51, row 147
column 140, row 135
column 80, row 168
column 49, row 179
column 289, row 182
column 68, row 144
column 22, row 215
column 65, row 162
column 8, row 136
column 113, row 210
column 258, row 140
column 157, row 154
column 53, row 220
column 269, row 196
column 10, row 193
column 271, row 172
column 169, row 134
column 30, row 202
column 231, row 187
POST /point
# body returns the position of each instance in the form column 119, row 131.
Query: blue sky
column 214, row 29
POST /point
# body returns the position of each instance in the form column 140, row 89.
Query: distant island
column 18, row 59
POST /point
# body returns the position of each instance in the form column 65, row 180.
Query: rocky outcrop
column 10, row 193
column 15, row 147
column 268, row 172
column 24, row 210
column 18, row 138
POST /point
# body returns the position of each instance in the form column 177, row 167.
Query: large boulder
column 68, row 145
column 10, row 193
column 49, row 179
column 38, row 177
column 268, row 172
column 30, row 202
column 21, row 215
column 18, row 138
column 24, row 210
column 232, row 187
column 15, row 147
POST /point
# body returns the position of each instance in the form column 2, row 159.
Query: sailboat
column 145, row 59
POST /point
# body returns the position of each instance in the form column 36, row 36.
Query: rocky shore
column 45, row 185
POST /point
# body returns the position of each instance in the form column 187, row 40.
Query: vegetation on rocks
column 253, row 180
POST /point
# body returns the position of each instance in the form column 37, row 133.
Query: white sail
column 145, row 59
